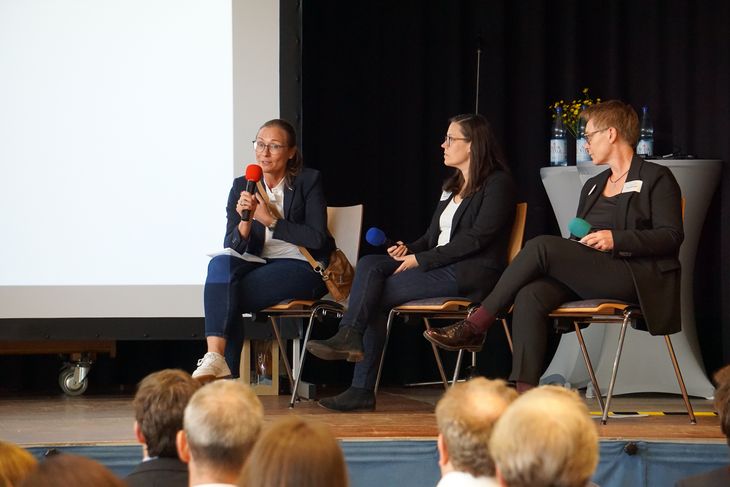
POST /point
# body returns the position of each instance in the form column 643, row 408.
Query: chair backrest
column 345, row 224
column 518, row 232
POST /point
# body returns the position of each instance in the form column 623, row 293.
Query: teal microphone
column 579, row 227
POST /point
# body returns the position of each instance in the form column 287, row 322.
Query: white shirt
column 464, row 479
column 273, row 247
column 446, row 221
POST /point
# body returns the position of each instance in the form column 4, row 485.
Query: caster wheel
column 69, row 385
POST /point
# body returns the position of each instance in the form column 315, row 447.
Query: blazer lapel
column 459, row 213
column 600, row 183
column 625, row 198
column 288, row 199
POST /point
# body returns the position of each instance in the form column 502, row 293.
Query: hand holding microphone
column 600, row 240
column 246, row 204
column 377, row 238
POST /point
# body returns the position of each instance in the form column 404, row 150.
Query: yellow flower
column 570, row 111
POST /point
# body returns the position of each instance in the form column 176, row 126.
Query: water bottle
column 558, row 144
column 581, row 154
column 645, row 147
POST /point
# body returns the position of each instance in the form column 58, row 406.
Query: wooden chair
column 454, row 308
column 345, row 224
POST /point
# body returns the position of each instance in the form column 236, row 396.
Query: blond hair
column 294, row 452
column 15, row 464
column 466, row 415
column 545, row 439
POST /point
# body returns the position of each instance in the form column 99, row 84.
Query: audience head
column 545, row 438
column 294, row 157
column 15, row 463
column 722, row 399
column 65, row 469
column 617, row 114
column 294, row 452
column 485, row 153
column 466, row 415
column 158, row 409
column 222, row 422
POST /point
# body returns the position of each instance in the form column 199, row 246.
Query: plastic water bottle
column 645, row 147
column 558, row 144
column 581, row 154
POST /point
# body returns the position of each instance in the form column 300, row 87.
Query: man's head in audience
column 66, row 469
column 722, row 399
column 466, row 415
column 158, row 410
column 545, row 438
column 222, row 422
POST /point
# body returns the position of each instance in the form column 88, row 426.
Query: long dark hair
column 485, row 154
column 293, row 165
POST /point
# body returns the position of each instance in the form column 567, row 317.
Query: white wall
column 122, row 123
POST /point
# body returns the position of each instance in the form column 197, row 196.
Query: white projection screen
column 122, row 124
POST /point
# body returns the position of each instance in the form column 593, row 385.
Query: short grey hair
column 466, row 415
column 222, row 422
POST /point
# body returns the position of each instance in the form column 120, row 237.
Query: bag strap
column 265, row 196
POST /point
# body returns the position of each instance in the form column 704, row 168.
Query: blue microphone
column 376, row 237
column 579, row 227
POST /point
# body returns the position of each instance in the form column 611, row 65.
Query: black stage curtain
column 377, row 81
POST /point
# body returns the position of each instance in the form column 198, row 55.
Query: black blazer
column 304, row 223
column 159, row 472
column 480, row 235
column 647, row 233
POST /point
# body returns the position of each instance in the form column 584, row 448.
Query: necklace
column 614, row 181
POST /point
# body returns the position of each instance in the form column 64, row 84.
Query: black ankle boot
column 346, row 344
column 353, row 399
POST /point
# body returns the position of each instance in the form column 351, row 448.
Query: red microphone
column 253, row 176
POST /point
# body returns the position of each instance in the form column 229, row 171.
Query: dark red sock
column 480, row 320
column 523, row 387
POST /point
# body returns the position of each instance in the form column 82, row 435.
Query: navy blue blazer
column 647, row 233
column 480, row 235
column 304, row 222
column 159, row 472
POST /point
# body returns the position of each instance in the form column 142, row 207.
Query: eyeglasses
column 589, row 135
column 259, row 146
column 449, row 139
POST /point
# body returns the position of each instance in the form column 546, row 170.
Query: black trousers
column 547, row 272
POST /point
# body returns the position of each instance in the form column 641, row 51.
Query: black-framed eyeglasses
column 449, row 139
column 259, row 146
column 589, row 135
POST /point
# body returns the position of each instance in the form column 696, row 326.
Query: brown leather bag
column 337, row 276
column 339, row 272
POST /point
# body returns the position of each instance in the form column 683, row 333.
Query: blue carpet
column 415, row 463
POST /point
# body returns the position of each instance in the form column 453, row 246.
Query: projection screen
column 122, row 124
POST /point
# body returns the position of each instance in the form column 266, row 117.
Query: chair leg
column 507, row 333
column 622, row 335
column 438, row 358
column 282, row 349
column 678, row 373
column 589, row 365
column 457, row 367
column 303, row 354
column 391, row 315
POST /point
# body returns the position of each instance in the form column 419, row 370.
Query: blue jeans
column 375, row 290
column 235, row 286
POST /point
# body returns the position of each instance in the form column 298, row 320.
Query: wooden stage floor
column 402, row 413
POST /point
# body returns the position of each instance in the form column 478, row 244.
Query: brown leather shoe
column 459, row 336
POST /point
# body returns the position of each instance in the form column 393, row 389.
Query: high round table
column 645, row 365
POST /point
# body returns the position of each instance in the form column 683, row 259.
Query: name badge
column 445, row 195
column 634, row 186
